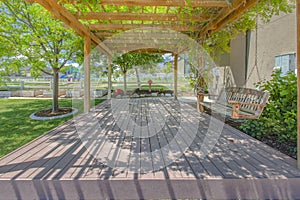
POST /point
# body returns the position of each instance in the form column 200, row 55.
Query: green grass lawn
column 17, row 129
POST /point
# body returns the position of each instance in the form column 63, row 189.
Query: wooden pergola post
column 175, row 76
column 87, row 51
column 298, row 78
column 109, row 78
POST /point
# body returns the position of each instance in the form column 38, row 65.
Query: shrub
column 279, row 119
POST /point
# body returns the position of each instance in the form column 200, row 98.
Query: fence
column 29, row 87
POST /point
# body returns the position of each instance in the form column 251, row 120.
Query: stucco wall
column 238, row 59
column 275, row 38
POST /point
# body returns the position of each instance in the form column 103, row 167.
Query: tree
column 146, row 62
column 37, row 40
column 128, row 60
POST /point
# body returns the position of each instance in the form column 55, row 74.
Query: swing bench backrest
column 246, row 103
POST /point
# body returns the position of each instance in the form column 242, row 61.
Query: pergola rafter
column 132, row 14
column 142, row 33
column 124, row 27
column 228, row 15
column 173, row 3
column 143, row 17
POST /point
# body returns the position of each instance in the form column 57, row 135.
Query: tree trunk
column 125, row 84
column 138, row 77
column 55, row 91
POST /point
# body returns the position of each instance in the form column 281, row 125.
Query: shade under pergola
column 98, row 20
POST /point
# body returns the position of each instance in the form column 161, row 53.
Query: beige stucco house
column 276, row 48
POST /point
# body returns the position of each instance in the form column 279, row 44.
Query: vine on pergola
column 106, row 18
column 219, row 42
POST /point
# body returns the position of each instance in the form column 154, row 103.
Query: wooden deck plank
column 265, row 154
column 83, row 157
column 208, row 170
column 146, row 152
column 122, row 152
column 164, row 144
column 64, row 158
column 89, row 164
column 133, row 158
column 123, row 156
column 195, row 172
column 237, row 161
column 230, row 168
column 156, row 142
column 102, row 149
column 60, row 156
column 208, row 165
column 170, row 130
column 193, row 150
column 263, row 148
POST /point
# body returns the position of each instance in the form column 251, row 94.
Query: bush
column 279, row 119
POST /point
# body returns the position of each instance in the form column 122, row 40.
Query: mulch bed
column 49, row 113
column 284, row 147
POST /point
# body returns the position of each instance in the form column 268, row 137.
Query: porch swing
column 244, row 103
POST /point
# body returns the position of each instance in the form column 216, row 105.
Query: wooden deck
column 59, row 164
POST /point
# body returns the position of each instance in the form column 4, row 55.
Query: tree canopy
column 30, row 37
column 129, row 60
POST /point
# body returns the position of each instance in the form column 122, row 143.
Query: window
column 285, row 63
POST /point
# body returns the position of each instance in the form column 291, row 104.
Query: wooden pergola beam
column 147, row 45
column 109, row 84
column 149, row 50
column 87, row 81
column 124, row 27
column 142, row 17
column 173, row 3
column 141, row 34
column 235, row 15
column 105, row 34
column 175, row 76
column 137, row 47
column 212, row 25
column 70, row 20
column 151, row 40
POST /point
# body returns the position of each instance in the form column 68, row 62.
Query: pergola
column 98, row 20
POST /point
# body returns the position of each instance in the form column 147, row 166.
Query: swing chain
column 256, row 50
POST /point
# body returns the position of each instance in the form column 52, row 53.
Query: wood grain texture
column 60, row 165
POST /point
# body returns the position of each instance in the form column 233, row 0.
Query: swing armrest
column 236, row 108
